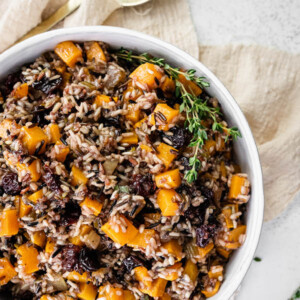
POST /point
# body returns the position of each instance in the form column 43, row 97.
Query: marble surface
column 272, row 23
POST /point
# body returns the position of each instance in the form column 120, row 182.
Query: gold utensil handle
column 59, row 15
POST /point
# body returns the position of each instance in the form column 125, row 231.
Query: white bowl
column 245, row 147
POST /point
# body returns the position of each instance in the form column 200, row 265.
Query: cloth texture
column 263, row 81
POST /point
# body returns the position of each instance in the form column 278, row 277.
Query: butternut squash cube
column 7, row 271
column 94, row 205
column 142, row 240
column 131, row 140
column 210, row 147
column 224, row 252
column 168, row 202
column 133, row 114
column 95, row 52
column 87, row 291
column 53, row 132
column 9, row 223
column 132, row 92
column 77, row 277
column 139, row 123
column 215, row 272
column 102, row 100
column 21, row 91
column 234, row 237
column 208, row 292
column 237, row 183
column 50, row 245
column 168, row 180
column 39, row 238
column 148, row 75
column 24, row 209
column 29, row 258
column 227, row 211
column 165, row 296
column 191, row 270
column 141, row 274
column 34, row 139
column 84, row 229
column 78, row 177
column 173, row 248
column 173, row 272
column 146, row 148
column 63, row 151
column 68, row 53
column 190, row 86
column 168, row 87
column 157, row 289
column 166, row 154
column 7, row 127
column 165, row 114
column 33, row 169
column 120, row 234
column 35, row 197
column 204, row 251
column 110, row 292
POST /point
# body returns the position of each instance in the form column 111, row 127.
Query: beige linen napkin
column 263, row 81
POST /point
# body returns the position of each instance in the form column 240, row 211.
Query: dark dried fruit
column 143, row 185
column 111, row 121
column 88, row 260
column 71, row 214
column 39, row 113
column 181, row 137
column 132, row 262
column 46, row 85
column 70, row 258
column 195, row 215
column 154, row 136
column 10, row 184
column 185, row 163
column 52, row 180
column 10, row 81
column 204, row 233
column 206, row 192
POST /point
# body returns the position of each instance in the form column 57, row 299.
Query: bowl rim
column 241, row 120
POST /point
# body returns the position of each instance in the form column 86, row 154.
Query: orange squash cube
column 33, row 169
column 167, row 115
column 227, row 211
column 146, row 148
column 204, row 251
column 63, row 151
column 53, row 133
column 77, row 277
column 78, row 177
column 133, row 114
column 29, row 258
column 168, row 202
column 173, row 272
column 9, row 223
column 131, row 140
column 34, row 139
column 142, row 239
column 139, row 123
column 21, row 91
column 225, row 253
column 168, row 87
column 234, row 237
column 110, row 292
column 166, row 154
column 165, row 297
column 35, row 197
column 87, row 291
column 7, row 271
column 191, row 270
column 68, row 53
column 94, row 205
column 157, row 288
column 132, row 92
column 190, row 86
column 168, row 180
column 148, row 75
column 141, row 274
column 210, row 147
column 237, row 183
column 24, row 209
column 95, row 52
column 50, row 246
column 84, row 229
column 117, row 234
column 173, row 248
column 7, row 126
column 215, row 272
column 208, row 292
column 102, row 100
column 39, row 238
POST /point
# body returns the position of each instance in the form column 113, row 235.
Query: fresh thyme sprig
column 196, row 109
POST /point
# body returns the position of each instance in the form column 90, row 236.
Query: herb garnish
column 196, row 109
column 296, row 295
column 257, row 259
